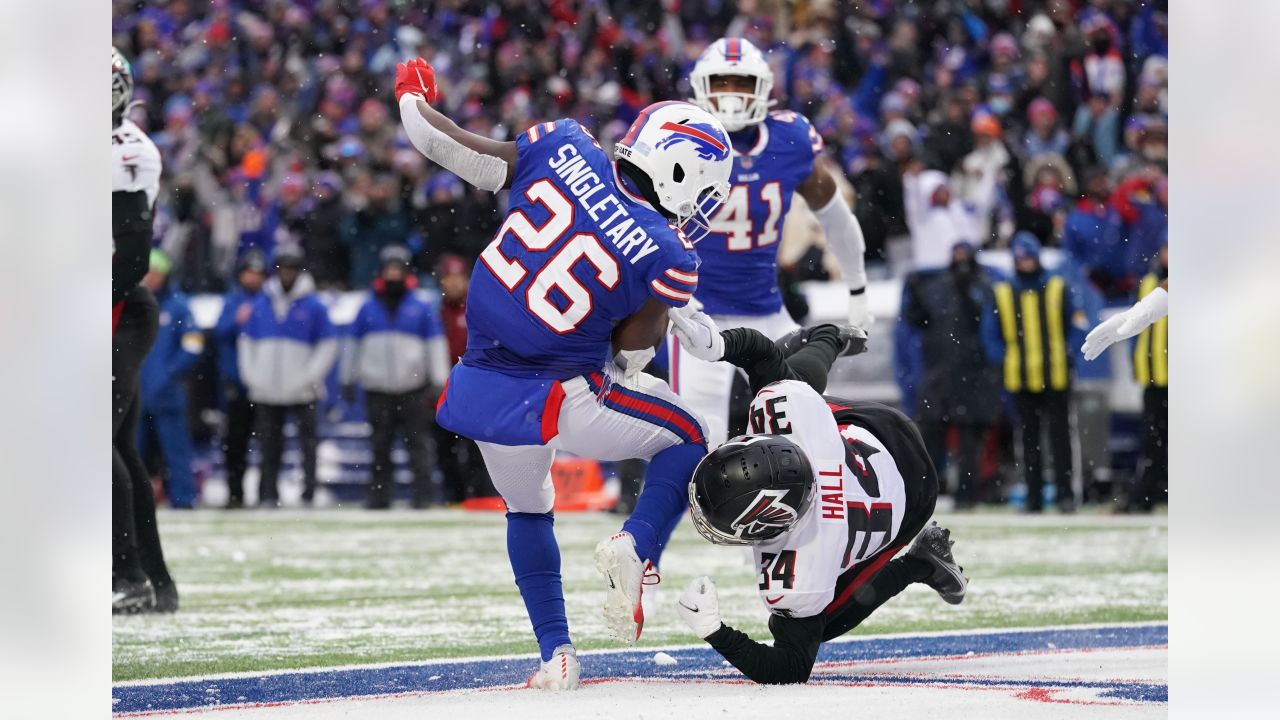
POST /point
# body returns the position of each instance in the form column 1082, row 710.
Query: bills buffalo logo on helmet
column 765, row 512
column 703, row 136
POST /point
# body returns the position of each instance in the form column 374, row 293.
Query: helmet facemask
column 736, row 110
column 697, row 224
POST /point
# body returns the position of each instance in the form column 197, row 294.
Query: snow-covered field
column 266, row 592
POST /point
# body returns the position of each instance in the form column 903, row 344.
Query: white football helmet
column 733, row 56
column 683, row 152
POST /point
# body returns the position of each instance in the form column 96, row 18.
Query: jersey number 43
column 556, row 273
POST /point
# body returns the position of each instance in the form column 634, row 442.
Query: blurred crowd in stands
column 961, row 125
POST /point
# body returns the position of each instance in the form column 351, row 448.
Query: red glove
column 416, row 77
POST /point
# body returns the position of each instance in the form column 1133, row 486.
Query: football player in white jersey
column 825, row 491
column 140, row 581
column 775, row 155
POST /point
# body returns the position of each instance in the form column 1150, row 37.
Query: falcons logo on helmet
column 766, row 512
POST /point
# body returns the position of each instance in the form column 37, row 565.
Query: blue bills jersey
column 575, row 255
column 739, row 272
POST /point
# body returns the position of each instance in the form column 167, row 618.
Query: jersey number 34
column 556, row 273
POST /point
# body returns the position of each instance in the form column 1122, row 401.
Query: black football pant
column 968, row 455
column 1051, row 409
column 271, row 436
column 135, row 538
column 403, row 414
column 235, row 444
column 462, row 466
column 1151, row 484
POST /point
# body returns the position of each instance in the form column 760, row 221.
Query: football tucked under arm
column 790, row 660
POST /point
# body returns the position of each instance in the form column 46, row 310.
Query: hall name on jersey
column 831, row 493
column 603, row 206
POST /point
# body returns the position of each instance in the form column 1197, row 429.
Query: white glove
column 1127, row 324
column 699, row 607
column 697, row 332
column 859, row 315
column 632, row 363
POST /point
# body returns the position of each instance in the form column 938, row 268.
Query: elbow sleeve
column 845, row 240
column 484, row 171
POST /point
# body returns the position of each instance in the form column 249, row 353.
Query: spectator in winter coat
column 397, row 352
column 286, row 350
column 379, row 222
column 957, row 387
column 982, row 178
column 1044, row 137
column 237, row 305
column 936, row 218
column 330, row 262
column 1142, row 203
column 178, row 347
column 1091, row 238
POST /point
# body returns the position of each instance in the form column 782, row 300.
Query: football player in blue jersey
column 590, row 257
column 775, row 154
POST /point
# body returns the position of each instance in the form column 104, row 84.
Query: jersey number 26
column 556, row 273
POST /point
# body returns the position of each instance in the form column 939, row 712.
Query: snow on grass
column 304, row 589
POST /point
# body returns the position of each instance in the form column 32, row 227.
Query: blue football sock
column 663, row 499
column 535, row 560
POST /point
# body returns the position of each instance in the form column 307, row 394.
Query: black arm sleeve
column 765, row 363
column 790, row 660
column 131, row 230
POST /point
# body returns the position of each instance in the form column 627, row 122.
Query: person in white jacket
column 286, row 350
column 936, row 218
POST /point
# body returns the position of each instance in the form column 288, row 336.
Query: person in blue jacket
column 397, row 351
column 285, row 352
column 179, row 345
column 237, row 305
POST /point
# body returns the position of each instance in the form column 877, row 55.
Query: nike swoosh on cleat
column 686, row 607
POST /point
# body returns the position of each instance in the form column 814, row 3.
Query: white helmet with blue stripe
column 678, row 156
column 733, row 56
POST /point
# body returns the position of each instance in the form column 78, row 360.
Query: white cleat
column 616, row 559
column 561, row 672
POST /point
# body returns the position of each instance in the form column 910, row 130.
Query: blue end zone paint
column 694, row 664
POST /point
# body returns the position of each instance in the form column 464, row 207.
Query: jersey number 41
column 735, row 222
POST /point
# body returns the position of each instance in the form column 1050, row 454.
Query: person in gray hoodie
column 286, row 350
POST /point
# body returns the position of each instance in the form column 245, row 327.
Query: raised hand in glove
column 416, row 77
column 699, row 607
column 1127, row 324
column 697, row 333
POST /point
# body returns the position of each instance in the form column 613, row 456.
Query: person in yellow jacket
column 1151, row 370
column 1030, row 322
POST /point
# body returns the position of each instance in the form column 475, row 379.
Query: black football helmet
column 751, row 489
column 121, row 86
